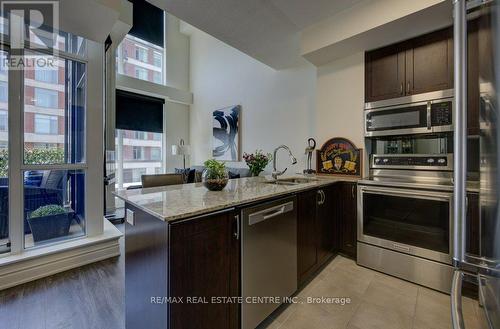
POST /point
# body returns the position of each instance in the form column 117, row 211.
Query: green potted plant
column 215, row 176
column 257, row 161
column 49, row 221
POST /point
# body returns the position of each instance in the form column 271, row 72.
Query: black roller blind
column 139, row 112
column 148, row 22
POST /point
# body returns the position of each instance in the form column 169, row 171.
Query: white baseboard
column 25, row 268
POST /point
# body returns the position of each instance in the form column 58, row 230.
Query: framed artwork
column 226, row 133
column 340, row 157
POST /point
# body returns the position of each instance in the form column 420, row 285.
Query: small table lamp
column 181, row 149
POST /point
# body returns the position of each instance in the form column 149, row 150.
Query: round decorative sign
column 339, row 156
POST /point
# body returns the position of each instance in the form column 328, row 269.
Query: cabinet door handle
column 408, row 87
column 401, row 89
column 352, row 191
column 318, row 195
column 321, row 197
column 236, row 234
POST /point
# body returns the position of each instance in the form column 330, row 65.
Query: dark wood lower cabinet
column 307, row 251
column 204, row 258
column 194, row 259
column 327, row 212
column 326, row 224
column 348, row 222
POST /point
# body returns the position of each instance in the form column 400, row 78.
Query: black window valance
column 139, row 112
column 148, row 22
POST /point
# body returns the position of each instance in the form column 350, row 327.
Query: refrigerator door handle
column 457, row 318
column 460, row 135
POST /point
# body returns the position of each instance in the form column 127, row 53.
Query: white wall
column 177, row 127
column 277, row 106
column 340, row 99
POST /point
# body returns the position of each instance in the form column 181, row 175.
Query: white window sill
column 44, row 261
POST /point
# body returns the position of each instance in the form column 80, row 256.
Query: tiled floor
column 378, row 301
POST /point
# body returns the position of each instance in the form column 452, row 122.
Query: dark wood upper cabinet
column 384, row 73
column 204, row 259
column 349, row 219
column 419, row 65
column 429, row 62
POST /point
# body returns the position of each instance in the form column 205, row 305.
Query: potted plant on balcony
column 50, row 221
column 257, row 161
column 215, row 176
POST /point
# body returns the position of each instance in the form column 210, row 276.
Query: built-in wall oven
column 425, row 113
column 405, row 202
column 411, row 221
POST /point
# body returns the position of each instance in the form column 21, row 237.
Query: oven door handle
column 408, row 193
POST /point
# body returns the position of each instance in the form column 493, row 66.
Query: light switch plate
column 130, row 217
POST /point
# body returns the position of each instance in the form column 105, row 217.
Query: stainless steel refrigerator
column 483, row 266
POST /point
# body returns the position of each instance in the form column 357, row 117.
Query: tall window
column 54, row 198
column 49, row 206
column 141, row 59
column 46, row 98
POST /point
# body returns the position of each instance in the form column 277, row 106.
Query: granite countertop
column 174, row 202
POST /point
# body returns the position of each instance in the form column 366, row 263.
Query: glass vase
column 215, row 180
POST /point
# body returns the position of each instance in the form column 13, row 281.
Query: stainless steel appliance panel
column 415, row 269
column 269, row 257
column 485, row 16
column 414, row 222
column 429, row 116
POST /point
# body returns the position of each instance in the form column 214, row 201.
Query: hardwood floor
column 87, row 297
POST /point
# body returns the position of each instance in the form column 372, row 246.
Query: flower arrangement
column 257, row 161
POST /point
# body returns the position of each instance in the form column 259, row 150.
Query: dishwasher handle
column 269, row 213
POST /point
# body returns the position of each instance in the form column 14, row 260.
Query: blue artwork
column 226, row 143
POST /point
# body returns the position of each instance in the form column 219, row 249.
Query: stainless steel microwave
column 416, row 114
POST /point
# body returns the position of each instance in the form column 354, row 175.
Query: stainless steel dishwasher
column 269, row 257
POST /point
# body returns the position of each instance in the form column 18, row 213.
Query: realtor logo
column 32, row 25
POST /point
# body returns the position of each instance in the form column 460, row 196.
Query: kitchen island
column 183, row 245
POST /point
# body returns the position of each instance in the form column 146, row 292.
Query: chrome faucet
column 276, row 172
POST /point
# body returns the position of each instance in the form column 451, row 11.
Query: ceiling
column 268, row 30
column 305, row 13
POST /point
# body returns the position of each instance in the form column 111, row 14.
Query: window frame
column 93, row 195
